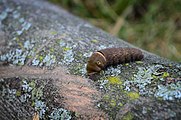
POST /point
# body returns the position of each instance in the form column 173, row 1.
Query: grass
column 153, row 25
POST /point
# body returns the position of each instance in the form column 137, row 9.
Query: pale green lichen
column 20, row 55
column 79, row 69
column 49, row 60
column 16, row 57
column 68, row 57
column 41, row 107
column 30, row 91
column 169, row 92
column 4, row 14
column 8, row 93
column 142, row 79
column 147, row 81
column 146, row 78
column 60, row 114
column 25, row 27
column 46, row 60
column 111, row 71
column 28, row 45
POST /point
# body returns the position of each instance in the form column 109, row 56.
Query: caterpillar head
column 96, row 63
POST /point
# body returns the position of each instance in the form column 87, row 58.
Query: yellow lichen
column 128, row 116
column 52, row 50
column 120, row 104
column 127, row 64
column 53, row 32
column 106, row 97
column 66, row 48
column 41, row 58
column 139, row 62
column 114, row 80
column 133, row 95
column 112, row 103
column 18, row 93
column 165, row 74
column 94, row 41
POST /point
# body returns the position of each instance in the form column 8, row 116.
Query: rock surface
column 43, row 54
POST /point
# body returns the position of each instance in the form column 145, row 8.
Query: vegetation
column 154, row 25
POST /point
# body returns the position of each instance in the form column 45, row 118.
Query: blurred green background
column 154, row 25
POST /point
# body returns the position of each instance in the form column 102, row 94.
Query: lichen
column 20, row 55
column 133, row 95
column 128, row 116
column 113, row 103
column 142, row 79
column 79, row 69
column 114, row 80
column 35, row 62
column 113, row 71
column 169, row 92
column 47, row 60
column 17, row 57
column 41, row 107
column 149, row 81
column 28, row 45
column 25, row 27
column 60, row 114
column 94, row 41
column 4, row 14
column 106, row 97
column 68, row 53
column 53, row 32
column 68, row 57
column 8, row 93
column 165, row 74
column 27, row 92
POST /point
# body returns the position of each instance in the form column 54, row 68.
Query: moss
column 128, row 116
column 114, row 80
column 133, row 95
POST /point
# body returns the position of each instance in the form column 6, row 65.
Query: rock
column 44, row 51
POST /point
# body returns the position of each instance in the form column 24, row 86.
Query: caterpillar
column 111, row 56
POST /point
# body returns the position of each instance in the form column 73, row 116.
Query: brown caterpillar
column 111, row 56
